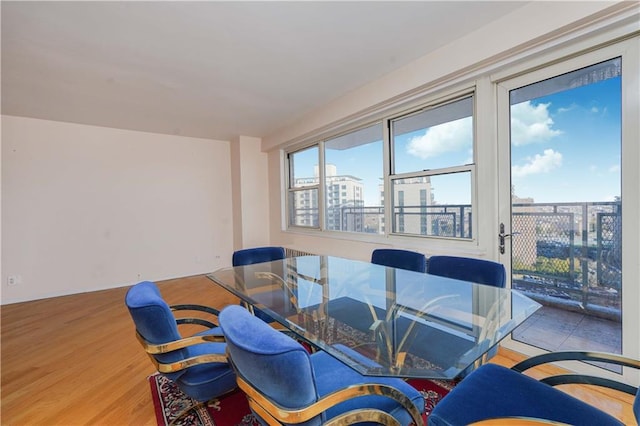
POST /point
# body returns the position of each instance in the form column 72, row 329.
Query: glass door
column 562, row 214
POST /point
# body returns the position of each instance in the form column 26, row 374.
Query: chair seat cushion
column 495, row 391
column 332, row 375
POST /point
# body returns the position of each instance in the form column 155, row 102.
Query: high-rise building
column 345, row 199
column 411, row 200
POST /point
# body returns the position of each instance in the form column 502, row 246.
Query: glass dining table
column 378, row 320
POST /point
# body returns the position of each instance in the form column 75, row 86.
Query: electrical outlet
column 13, row 280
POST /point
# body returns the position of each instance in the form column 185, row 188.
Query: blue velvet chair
column 196, row 364
column 285, row 384
column 468, row 269
column 496, row 392
column 258, row 255
column 479, row 271
column 403, row 259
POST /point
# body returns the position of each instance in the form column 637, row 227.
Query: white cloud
column 615, row 168
column 531, row 124
column 566, row 109
column 544, row 163
column 448, row 137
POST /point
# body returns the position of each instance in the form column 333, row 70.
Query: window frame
column 425, row 103
column 292, row 189
column 391, row 176
column 557, row 63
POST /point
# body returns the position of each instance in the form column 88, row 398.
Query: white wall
column 87, row 208
column 522, row 30
column 250, row 193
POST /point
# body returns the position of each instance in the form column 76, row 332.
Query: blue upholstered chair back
column 636, row 406
column 468, row 269
column 154, row 320
column 403, row 259
column 493, row 392
column 257, row 255
column 273, row 363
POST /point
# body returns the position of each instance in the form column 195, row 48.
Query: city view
column 567, row 253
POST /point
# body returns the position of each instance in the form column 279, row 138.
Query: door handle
column 502, row 236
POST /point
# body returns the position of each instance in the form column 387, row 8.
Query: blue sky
column 564, row 147
column 571, row 152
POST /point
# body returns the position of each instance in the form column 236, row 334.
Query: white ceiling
column 212, row 69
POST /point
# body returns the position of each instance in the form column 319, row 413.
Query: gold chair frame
column 275, row 414
column 156, row 349
column 563, row 379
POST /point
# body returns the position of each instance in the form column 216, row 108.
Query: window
column 432, row 171
column 303, row 188
column 354, row 169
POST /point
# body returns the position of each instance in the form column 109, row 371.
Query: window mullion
column 387, row 150
column 435, row 172
column 322, row 185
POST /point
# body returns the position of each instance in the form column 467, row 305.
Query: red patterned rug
column 233, row 410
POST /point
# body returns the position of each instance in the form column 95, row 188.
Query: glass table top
column 381, row 321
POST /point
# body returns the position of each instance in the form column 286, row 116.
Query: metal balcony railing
column 569, row 255
column 563, row 254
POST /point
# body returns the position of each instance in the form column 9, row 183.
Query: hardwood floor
column 74, row 360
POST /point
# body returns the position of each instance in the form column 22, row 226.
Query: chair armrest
column 275, row 414
column 162, row 348
column 190, row 362
column 576, row 356
column 194, row 320
column 562, row 379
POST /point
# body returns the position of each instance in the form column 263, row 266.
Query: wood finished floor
column 74, row 360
